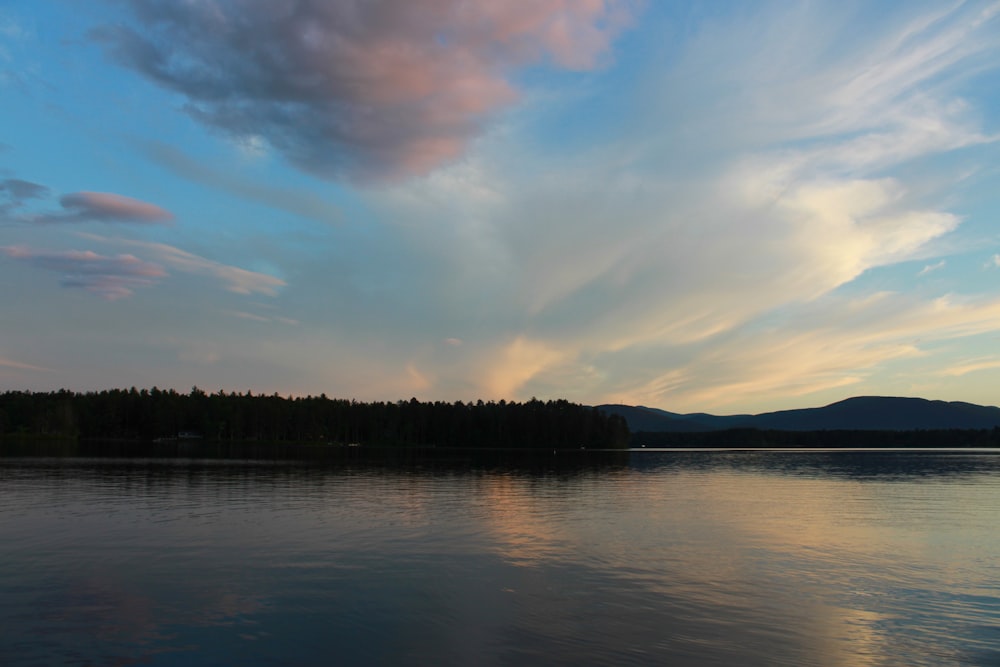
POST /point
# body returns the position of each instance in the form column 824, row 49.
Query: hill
column 861, row 413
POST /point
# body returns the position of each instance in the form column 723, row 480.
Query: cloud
column 14, row 193
column 115, row 277
column 77, row 206
column 17, row 365
column 971, row 367
column 18, row 190
column 234, row 278
column 302, row 203
column 520, row 360
column 109, row 277
column 713, row 243
column 15, row 38
column 931, row 267
column 256, row 317
column 827, row 345
column 994, row 262
column 207, row 353
column 359, row 90
column 10, row 28
column 755, row 180
column 104, row 207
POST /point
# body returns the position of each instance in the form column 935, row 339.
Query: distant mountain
column 862, row 413
column 641, row 418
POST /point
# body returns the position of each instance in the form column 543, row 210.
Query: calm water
column 682, row 558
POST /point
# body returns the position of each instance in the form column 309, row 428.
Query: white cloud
column 759, row 182
column 973, row 366
column 830, row 345
column 929, row 268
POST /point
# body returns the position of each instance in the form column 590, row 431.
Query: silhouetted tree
column 141, row 414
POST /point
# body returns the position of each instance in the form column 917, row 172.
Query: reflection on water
column 681, row 558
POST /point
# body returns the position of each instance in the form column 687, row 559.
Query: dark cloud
column 19, row 190
column 14, row 193
column 111, row 277
column 364, row 90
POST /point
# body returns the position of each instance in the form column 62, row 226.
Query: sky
column 697, row 206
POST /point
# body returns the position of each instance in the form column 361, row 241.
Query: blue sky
column 731, row 207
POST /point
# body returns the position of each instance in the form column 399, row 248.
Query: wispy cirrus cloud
column 757, row 177
column 235, row 279
column 358, row 90
column 11, row 34
column 111, row 277
column 302, row 203
column 929, row 268
column 257, row 317
column 117, row 276
column 21, row 366
column 832, row 343
column 971, row 366
column 9, row 27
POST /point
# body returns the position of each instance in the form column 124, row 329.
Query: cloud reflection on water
column 687, row 562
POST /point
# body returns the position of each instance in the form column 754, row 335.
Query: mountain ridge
column 864, row 413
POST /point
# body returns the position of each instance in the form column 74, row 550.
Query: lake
column 275, row 557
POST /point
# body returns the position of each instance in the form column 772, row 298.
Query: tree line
column 132, row 414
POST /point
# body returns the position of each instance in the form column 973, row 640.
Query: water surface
column 680, row 558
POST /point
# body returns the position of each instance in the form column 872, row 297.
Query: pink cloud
column 365, row 90
column 17, row 365
column 240, row 281
column 111, row 277
column 107, row 207
column 235, row 279
column 15, row 194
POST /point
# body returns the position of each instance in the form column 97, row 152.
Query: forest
column 156, row 414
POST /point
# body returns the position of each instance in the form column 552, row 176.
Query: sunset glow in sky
column 729, row 207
